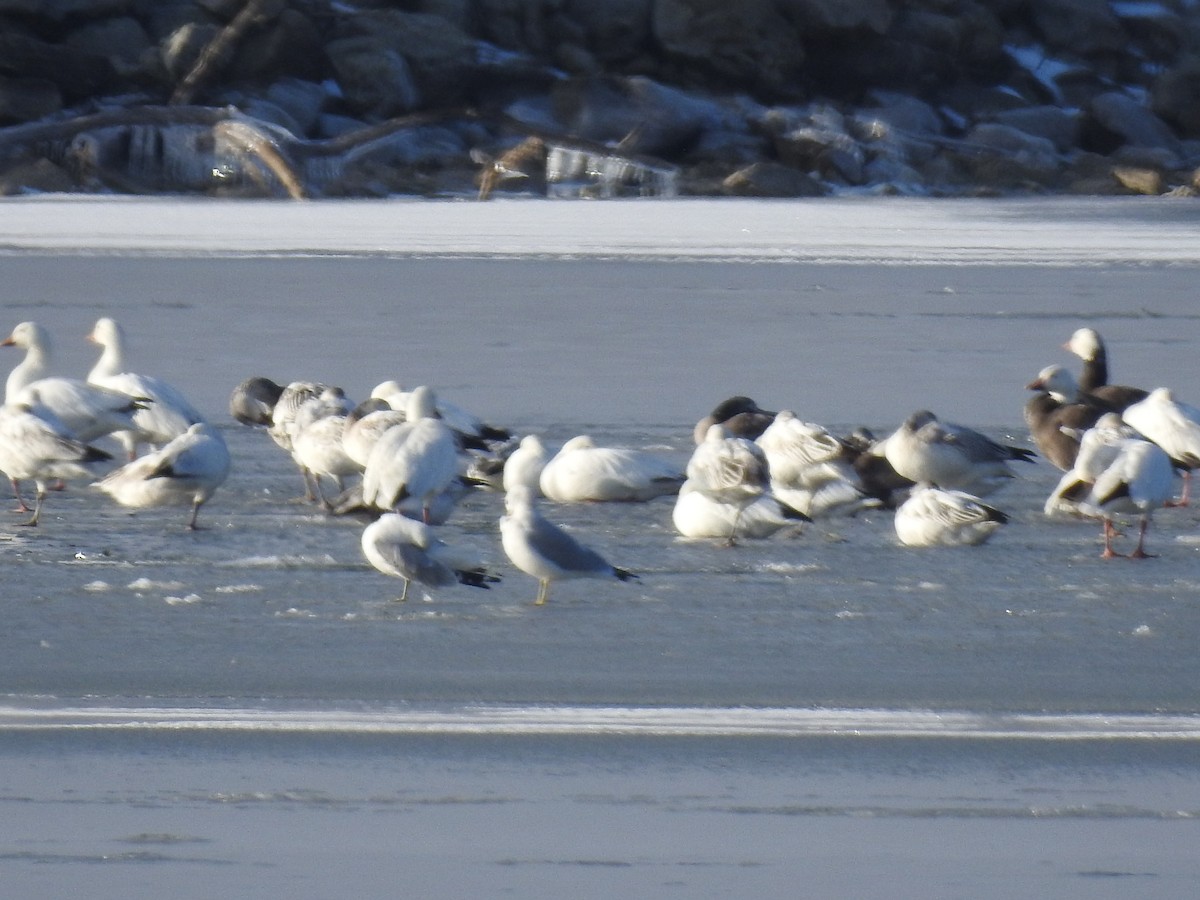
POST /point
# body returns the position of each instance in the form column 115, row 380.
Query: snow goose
column 318, row 450
column 35, row 447
column 1174, row 426
column 950, row 456
column 86, row 410
column 253, row 401
column 542, row 549
column 700, row 515
column 525, row 464
column 582, row 472
column 732, row 470
column 186, row 470
column 471, row 430
column 407, row 549
column 365, row 424
column 933, row 517
column 1139, row 480
column 168, row 415
column 1087, row 344
column 811, row 469
column 1098, row 447
column 741, row 416
column 301, row 404
column 1057, row 415
column 418, row 459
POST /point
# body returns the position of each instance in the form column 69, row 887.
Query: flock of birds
column 404, row 459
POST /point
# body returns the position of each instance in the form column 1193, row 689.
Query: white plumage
column 418, row 459
column 187, row 470
column 34, row 447
column 935, row 517
column 168, row 413
column 954, row 457
column 409, row 550
column 542, row 549
column 581, row 471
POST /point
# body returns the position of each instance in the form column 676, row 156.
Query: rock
column 614, row 31
column 771, row 179
column 839, row 15
column 747, row 45
column 37, row 176
column 1139, row 181
column 1132, row 122
column 1002, row 156
column 1173, row 96
column 28, row 99
column 1060, row 126
column 375, row 80
column 1084, row 27
column 647, row 117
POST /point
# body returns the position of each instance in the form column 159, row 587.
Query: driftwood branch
column 217, row 52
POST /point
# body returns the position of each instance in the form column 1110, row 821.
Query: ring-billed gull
column 409, row 550
column 542, row 549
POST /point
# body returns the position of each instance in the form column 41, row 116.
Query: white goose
column 1174, row 426
column 581, row 471
column 407, row 549
column 954, row 457
column 697, row 514
column 525, row 464
column 168, row 415
column 542, row 549
column 731, row 470
column 417, row 460
column 935, row 517
column 35, row 447
column 810, row 468
column 86, row 410
column 1098, row 447
column 1138, row 481
column 187, row 470
column 365, row 425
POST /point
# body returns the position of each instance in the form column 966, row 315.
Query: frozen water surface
column 244, row 710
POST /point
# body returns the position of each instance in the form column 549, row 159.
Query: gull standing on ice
column 407, row 549
column 542, row 549
column 186, row 470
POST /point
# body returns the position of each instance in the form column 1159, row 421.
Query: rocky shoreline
column 770, row 98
